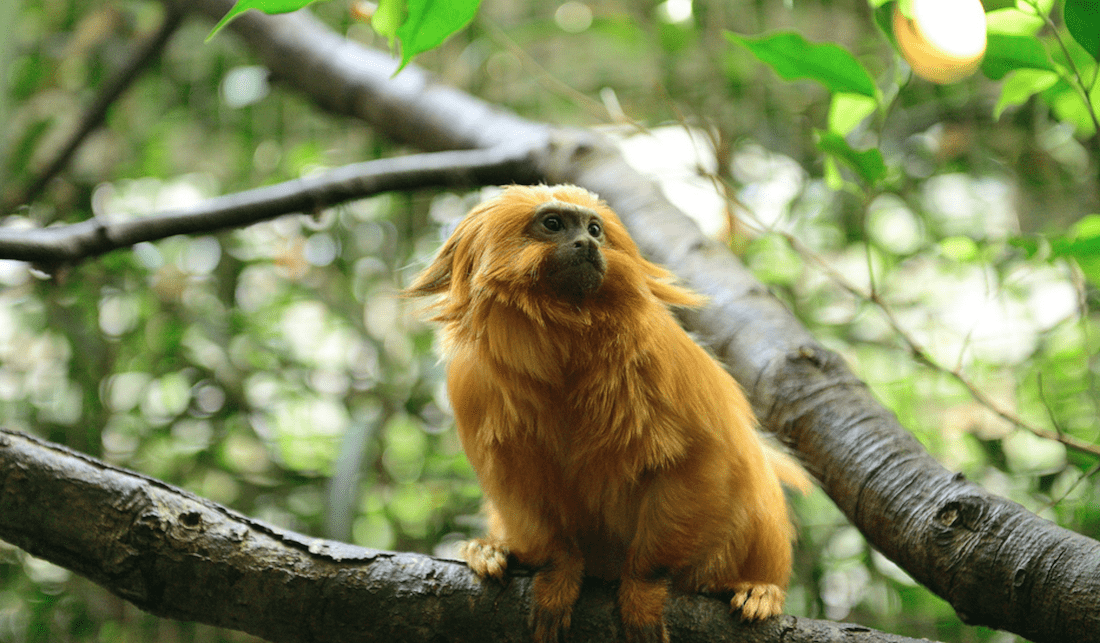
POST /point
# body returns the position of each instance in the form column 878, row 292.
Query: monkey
column 606, row 441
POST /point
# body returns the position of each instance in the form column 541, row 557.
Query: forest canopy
column 941, row 239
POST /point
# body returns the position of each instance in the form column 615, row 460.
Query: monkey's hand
column 757, row 601
column 486, row 557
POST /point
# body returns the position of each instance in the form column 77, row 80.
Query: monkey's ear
column 436, row 278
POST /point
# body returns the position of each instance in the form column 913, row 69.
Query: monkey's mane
column 489, row 261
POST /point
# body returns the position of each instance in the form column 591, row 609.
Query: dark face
column 575, row 266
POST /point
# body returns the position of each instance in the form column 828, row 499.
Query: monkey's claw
column 485, row 558
column 757, row 602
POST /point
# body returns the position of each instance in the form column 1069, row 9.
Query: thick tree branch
column 464, row 168
column 180, row 556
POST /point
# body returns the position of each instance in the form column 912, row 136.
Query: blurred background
column 273, row 370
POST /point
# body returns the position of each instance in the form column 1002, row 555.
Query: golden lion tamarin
column 606, row 441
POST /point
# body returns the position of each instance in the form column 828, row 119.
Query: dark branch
column 465, row 168
column 347, row 78
column 177, row 555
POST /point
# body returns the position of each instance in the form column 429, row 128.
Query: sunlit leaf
column 1083, row 21
column 959, row 249
column 1005, row 53
column 868, row 164
column 266, row 6
column 848, row 110
column 388, row 18
column 1068, row 105
column 1013, row 21
column 1020, row 85
column 1081, row 243
column 430, row 22
column 834, row 180
column 793, row 58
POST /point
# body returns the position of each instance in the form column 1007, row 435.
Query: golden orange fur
column 606, row 441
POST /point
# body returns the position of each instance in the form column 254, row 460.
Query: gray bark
column 180, row 556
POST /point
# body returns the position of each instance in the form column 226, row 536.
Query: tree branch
column 77, row 241
column 177, row 555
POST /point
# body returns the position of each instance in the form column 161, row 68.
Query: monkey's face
column 549, row 252
column 573, row 263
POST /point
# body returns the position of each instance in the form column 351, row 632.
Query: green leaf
column 388, row 17
column 1083, row 21
column 884, row 20
column 959, row 249
column 1081, row 243
column 266, row 6
column 1013, row 21
column 868, row 164
column 430, row 22
column 1021, row 85
column 833, row 178
column 792, row 57
column 1005, row 53
column 1068, row 105
column 848, row 110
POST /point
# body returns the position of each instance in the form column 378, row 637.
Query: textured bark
column 64, row 244
column 177, row 555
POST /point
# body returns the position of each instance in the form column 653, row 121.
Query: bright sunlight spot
column 675, row 11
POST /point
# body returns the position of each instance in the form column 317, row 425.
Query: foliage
column 935, row 235
column 419, row 25
column 272, row 7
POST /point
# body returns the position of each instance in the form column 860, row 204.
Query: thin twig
column 1080, row 86
column 920, row 354
column 1076, row 483
column 96, row 112
column 466, row 168
column 555, row 85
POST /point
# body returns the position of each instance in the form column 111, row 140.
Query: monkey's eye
column 594, row 229
column 553, row 224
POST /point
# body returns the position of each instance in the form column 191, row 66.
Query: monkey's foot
column 641, row 607
column 485, row 557
column 757, row 601
column 555, row 590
